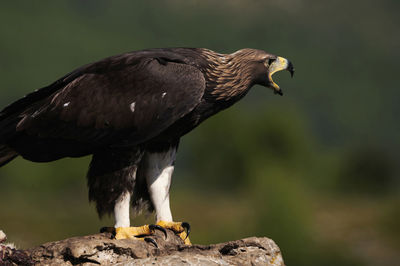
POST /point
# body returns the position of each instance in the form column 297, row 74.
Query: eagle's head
column 263, row 65
column 231, row 75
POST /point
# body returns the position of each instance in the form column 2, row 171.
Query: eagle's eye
column 271, row 60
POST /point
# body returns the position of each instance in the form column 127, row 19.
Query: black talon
column 157, row 227
column 187, row 229
column 151, row 240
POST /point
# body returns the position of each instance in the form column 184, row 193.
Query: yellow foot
column 138, row 233
column 182, row 229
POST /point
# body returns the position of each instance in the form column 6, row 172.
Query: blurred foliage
column 316, row 170
column 368, row 171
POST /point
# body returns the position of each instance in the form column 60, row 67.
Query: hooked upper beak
column 279, row 64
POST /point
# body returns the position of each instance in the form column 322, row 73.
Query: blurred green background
column 316, row 170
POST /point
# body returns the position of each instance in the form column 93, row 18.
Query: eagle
column 129, row 112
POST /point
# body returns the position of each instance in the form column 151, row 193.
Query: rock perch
column 103, row 249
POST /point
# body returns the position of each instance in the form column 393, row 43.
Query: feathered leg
column 111, row 181
column 159, row 168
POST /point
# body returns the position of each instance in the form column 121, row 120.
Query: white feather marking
column 66, row 104
column 132, row 106
column 159, row 174
column 163, row 95
column 121, row 210
column 35, row 114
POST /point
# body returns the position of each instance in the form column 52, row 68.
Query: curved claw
column 151, row 240
column 187, row 229
column 157, row 227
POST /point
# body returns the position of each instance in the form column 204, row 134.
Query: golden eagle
column 129, row 111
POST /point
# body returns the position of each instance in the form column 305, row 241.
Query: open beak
column 279, row 64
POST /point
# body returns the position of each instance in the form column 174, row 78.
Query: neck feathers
column 228, row 76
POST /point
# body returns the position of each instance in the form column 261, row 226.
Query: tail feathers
column 6, row 155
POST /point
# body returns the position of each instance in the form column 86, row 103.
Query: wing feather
column 118, row 99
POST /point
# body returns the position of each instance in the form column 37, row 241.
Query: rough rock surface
column 103, row 249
